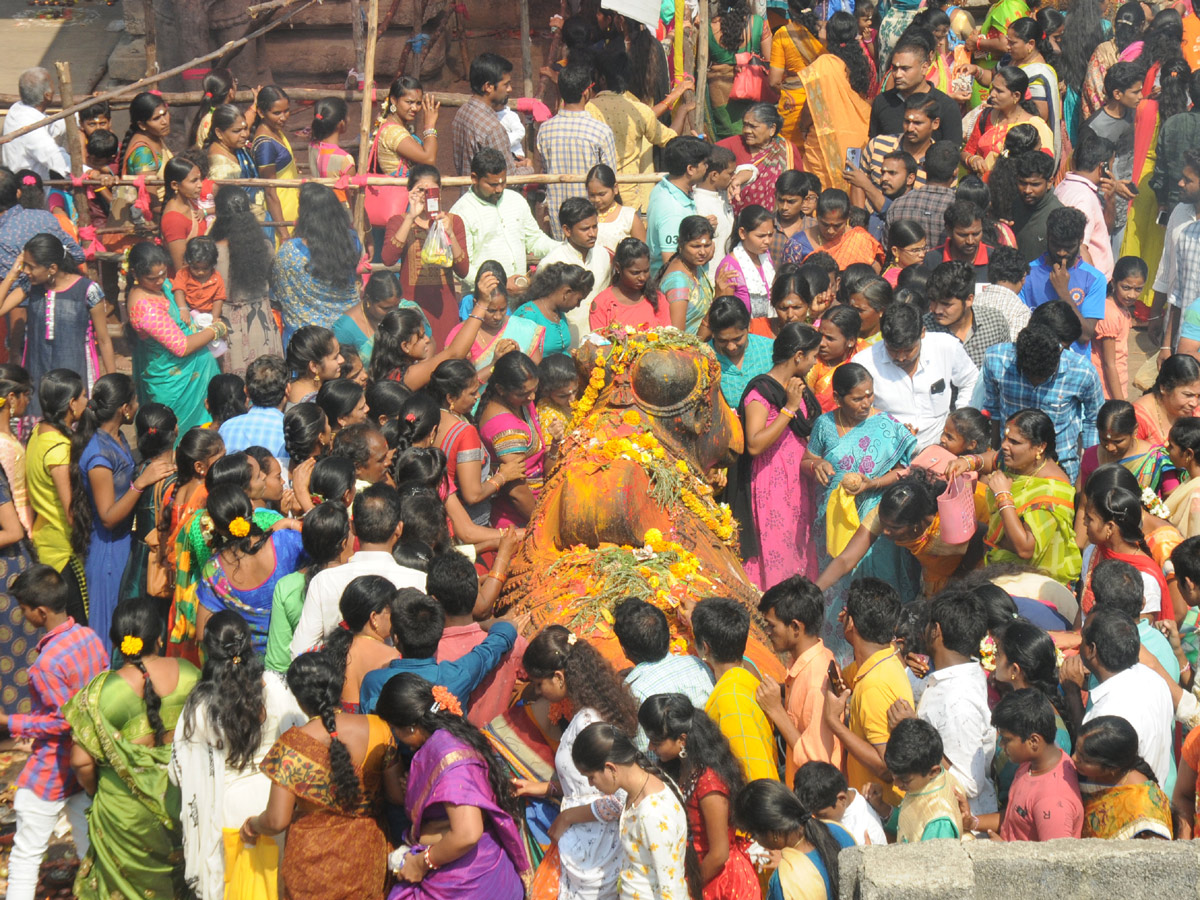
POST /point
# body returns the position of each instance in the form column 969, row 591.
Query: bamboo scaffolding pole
column 526, row 50
column 151, row 40
column 73, row 144
column 154, row 79
column 701, row 65
column 364, row 134
column 448, row 181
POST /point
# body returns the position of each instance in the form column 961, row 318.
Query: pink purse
column 382, row 201
column 956, row 510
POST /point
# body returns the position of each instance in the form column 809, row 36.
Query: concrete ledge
column 986, row 870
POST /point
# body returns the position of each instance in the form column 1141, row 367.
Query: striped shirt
column 880, row 146
column 69, row 656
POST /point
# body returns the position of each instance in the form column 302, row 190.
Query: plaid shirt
column 69, row 656
column 670, row 675
column 990, row 328
column 476, row 126
column 733, row 707
column 260, row 427
column 17, row 226
column 928, row 206
column 1007, row 302
column 1071, row 397
column 570, row 144
column 1184, row 283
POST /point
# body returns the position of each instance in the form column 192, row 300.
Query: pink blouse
column 150, row 318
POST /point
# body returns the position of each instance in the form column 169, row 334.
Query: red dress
column 737, row 880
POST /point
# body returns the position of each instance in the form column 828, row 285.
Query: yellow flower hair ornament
column 239, row 527
column 131, row 646
column 444, row 701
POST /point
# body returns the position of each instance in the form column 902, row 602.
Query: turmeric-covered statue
column 627, row 509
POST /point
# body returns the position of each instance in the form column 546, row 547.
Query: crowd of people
column 261, row 651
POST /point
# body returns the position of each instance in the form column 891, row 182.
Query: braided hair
column 600, row 744
column 407, row 700
column 591, row 680
column 136, row 631
column 312, row 678
column 230, row 690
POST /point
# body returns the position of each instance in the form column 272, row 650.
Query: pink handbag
column 956, row 510
column 751, row 80
column 382, row 201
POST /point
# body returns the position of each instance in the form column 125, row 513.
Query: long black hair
column 109, row 394
column 591, row 680
column 733, row 16
column 670, row 717
column 1111, row 742
column 56, row 391
column 1080, row 41
column 364, row 596
column 249, row 253
column 509, row 373
column 216, row 86
column 141, row 110
column 139, row 618
column 227, row 505
column 324, row 225
column 841, row 39
column 230, row 690
column 314, row 683
column 395, row 329
column 407, row 700
column 765, row 806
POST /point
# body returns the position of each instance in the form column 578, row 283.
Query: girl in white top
column 570, row 672
column 750, row 261
column 616, row 222
column 655, row 855
column 232, row 718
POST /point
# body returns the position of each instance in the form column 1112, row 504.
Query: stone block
column 127, row 62
column 931, row 870
column 135, row 16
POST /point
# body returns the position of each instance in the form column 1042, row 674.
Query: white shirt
column 863, row 823
column 955, row 703
column 943, row 363
column 598, row 261
column 1140, row 697
column 40, row 150
column 322, row 610
column 1182, row 215
column 716, row 203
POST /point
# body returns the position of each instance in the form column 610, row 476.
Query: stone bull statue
column 627, row 509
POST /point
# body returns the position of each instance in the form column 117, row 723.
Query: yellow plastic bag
column 251, row 873
column 841, row 521
column 436, row 251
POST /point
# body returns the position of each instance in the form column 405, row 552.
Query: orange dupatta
column 839, row 119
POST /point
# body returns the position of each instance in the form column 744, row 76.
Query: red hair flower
column 318, row 116
column 411, row 417
column 444, row 701
column 29, row 180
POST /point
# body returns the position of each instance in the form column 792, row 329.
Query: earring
column 683, row 752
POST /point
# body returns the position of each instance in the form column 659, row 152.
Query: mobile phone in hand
column 835, row 678
column 854, row 157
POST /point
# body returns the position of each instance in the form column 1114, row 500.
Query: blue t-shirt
column 558, row 334
column 1088, row 289
column 666, row 208
column 755, row 361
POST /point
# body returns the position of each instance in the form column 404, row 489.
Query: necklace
column 1160, row 415
column 1034, row 473
column 638, row 795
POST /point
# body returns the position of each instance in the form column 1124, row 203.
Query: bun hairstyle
column 303, row 426
column 157, row 429
column 57, row 390
column 407, row 699
column 314, row 682
column 234, row 527
column 216, row 86
column 419, row 417
column 590, row 678
column 230, row 690
column 136, row 631
column 109, row 394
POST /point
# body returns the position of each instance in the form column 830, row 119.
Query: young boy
column 929, row 809
column 721, row 627
column 202, row 287
column 822, row 787
column 1044, row 801
column 101, row 156
column 712, row 199
column 69, row 656
column 97, row 117
column 795, row 610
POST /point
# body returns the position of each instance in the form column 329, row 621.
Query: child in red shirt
column 201, row 286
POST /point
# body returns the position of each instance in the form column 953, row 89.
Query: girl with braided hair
column 122, row 725
column 230, row 722
column 567, row 671
column 464, row 840
column 329, row 780
column 656, row 859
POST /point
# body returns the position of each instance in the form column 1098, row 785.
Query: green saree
column 136, row 841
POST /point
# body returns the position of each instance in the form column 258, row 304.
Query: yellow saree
column 839, row 119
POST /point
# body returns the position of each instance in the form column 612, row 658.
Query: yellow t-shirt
column 733, row 707
column 881, row 683
column 51, row 534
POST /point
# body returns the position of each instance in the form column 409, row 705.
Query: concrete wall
column 992, row 870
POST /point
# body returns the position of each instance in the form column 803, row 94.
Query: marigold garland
column 445, row 701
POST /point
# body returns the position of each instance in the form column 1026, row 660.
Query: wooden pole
column 447, row 181
column 73, row 145
column 526, row 50
column 152, row 79
column 701, row 67
column 360, row 41
column 151, row 39
column 364, row 134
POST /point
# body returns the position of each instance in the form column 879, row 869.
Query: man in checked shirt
column 69, row 656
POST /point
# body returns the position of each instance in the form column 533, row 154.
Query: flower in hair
column 410, row 418
column 3, row 400
column 318, row 116
column 987, row 653
column 151, row 430
column 572, row 638
column 131, row 645
column 444, row 701
column 29, row 180
column 239, row 527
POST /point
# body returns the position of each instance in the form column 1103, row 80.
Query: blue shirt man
column 686, row 161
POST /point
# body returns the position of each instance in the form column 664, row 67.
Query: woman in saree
column 1173, row 396
column 229, row 156
column 182, row 216
column 171, row 360
column 1125, row 46
column 1150, row 463
column 329, row 779
column 839, row 342
column 464, row 840
column 356, row 328
column 1031, row 501
column 274, row 157
column 683, row 284
column 836, row 111
column 854, row 452
column 793, row 48
column 509, row 427
column 1006, row 108
column 1121, row 796
column 1183, row 503
column 144, row 152
column 122, row 724
column 772, row 501
column 896, row 19
column 992, row 39
column 762, row 146
column 498, row 331
column 427, row 284
column 1024, row 40
column 326, row 158
column 734, row 30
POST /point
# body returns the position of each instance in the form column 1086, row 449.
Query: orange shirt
column 199, row 295
column 805, row 704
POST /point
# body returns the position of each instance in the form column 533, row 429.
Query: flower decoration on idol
column 444, row 701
